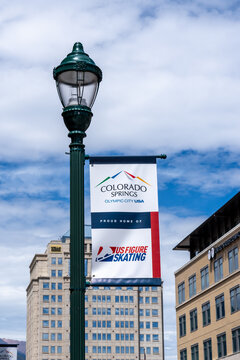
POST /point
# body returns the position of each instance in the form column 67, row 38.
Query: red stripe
column 155, row 245
column 130, row 174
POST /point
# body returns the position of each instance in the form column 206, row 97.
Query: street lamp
column 77, row 79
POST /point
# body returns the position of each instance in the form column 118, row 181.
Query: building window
column 53, row 261
column 218, row 269
column 45, row 311
column 206, row 315
column 155, row 325
column 85, row 267
column 233, row 260
column 236, row 340
column 222, row 345
column 154, row 300
column 52, row 349
column 53, row 286
column 46, row 285
column 181, row 292
column 45, row 323
column 59, row 336
column 182, row 325
column 59, row 349
column 60, row 261
column 53, row 273
column 183, row 354
column 204, row 278
column 235, row 299
column 53, row 336
column 220, row 308
column 207, row 349
column 59, row 286
column 155, row 337
column 155, row 350
column 194, row 352
column 45, row 349
column 45, row 336
column 193, row 320
column 59, row 273
column 154, row 312
column 192, row 285
column 45, row 298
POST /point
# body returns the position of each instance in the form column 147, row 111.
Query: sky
column 171, row 84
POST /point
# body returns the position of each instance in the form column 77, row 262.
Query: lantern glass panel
column 77, row 88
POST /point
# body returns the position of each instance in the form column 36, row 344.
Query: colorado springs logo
column 120, row 189
column 124, row 253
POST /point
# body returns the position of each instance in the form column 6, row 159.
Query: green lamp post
column 77, row 79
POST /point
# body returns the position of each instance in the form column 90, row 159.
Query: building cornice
column 205, row 251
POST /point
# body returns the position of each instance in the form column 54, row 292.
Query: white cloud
column 167, row 67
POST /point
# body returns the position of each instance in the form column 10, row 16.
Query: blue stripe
column 121, row 220
column 126, row 282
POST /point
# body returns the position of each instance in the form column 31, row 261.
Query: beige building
column 122, row 323
column 208, row 288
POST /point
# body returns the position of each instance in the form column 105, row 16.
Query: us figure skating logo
column 106, row 255
column 123, row 253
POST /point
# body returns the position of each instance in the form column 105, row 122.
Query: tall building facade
column 122, row 323
column 208, row 288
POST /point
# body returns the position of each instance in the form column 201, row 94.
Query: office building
column 208, row 288
column 121, row 323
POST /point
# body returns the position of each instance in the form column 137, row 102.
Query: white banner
column 8, row 352
column 125, row 229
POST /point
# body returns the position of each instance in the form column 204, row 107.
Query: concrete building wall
column 222, row 287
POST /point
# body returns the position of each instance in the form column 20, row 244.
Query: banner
column 125, row 227
column 8, row 352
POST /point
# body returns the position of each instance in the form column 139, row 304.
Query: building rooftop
column 218, row 224
column 87, row 233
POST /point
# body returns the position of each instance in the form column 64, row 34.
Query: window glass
column 220, row 308
column 236, row 340
column 53, row 286
column 181, row 292
column 59, row 286
column 194, row 352
column 183, row 354
column 218, row 269
column 192, row 285
column 193, row 320
column 53, row 261
column 222, row 345
column 206, row 315
column 182, row 325
column 45, row 349
column 233, row 260
column 59, row 311
column 204, row 278
column 207, row 349
column 53, row 273
column 46, row 285
column 45, row 336
column 235, row 299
